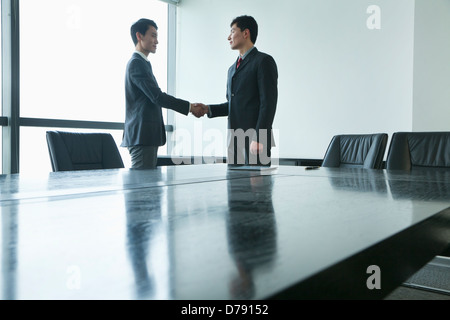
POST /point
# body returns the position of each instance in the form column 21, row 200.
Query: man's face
column 236, row 37
column 149, row 41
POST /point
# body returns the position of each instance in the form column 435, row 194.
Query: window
column 2, row 120
column 73, row 56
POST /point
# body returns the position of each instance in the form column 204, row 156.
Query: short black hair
column 247, row 22
column 141, row 26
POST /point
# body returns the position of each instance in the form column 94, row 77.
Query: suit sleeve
column 267, row 77
column 142, row 76
column 218, row 110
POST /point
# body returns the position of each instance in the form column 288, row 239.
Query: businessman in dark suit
column 144, row 129
column 252, row 93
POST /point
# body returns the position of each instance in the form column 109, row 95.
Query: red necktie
column 239, row 62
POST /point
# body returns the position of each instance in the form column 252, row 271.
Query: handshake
column 199, row 109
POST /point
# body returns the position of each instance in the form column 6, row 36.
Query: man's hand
column 256, row 147
column 199, row 109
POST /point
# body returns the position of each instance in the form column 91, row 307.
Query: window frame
column 10, row 120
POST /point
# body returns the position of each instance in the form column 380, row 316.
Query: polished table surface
column 207, row 232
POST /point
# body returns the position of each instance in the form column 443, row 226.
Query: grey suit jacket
column 252, row 93
column 144, row 99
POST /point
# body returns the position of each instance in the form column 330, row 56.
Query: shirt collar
column 246, row 53
column 142, row 55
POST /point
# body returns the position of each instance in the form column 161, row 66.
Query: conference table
column 215, row 232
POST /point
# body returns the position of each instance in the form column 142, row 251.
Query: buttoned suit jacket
column 144, row 100
column 252, row 93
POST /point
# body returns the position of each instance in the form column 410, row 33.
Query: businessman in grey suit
column 252, row 93
column 144, row 129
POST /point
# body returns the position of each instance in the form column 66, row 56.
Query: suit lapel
column 233, row 71
column 148, row 65
column 244, row 62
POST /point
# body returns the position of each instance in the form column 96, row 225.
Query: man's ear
column 139, row 36
column 246, row 33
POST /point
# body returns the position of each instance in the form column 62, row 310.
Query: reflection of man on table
column 143, row 225
column 251, row 231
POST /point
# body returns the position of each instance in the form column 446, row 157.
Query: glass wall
column 73, row 56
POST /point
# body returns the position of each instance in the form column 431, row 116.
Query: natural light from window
column 73, row 56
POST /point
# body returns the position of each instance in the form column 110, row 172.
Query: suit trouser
column 143, row 157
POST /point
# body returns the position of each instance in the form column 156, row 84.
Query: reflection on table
column 206, row 232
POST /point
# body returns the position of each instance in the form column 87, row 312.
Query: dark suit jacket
column 252, row 93
column 144, row 99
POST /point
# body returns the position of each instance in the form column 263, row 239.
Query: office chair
column 428, row 151
column 82, row 151
column 419, row 149
column 425, row 150
column 356, row 151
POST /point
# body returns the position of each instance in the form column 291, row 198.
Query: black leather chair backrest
column 356, row 151
column 419, row 149
column 82, row 151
